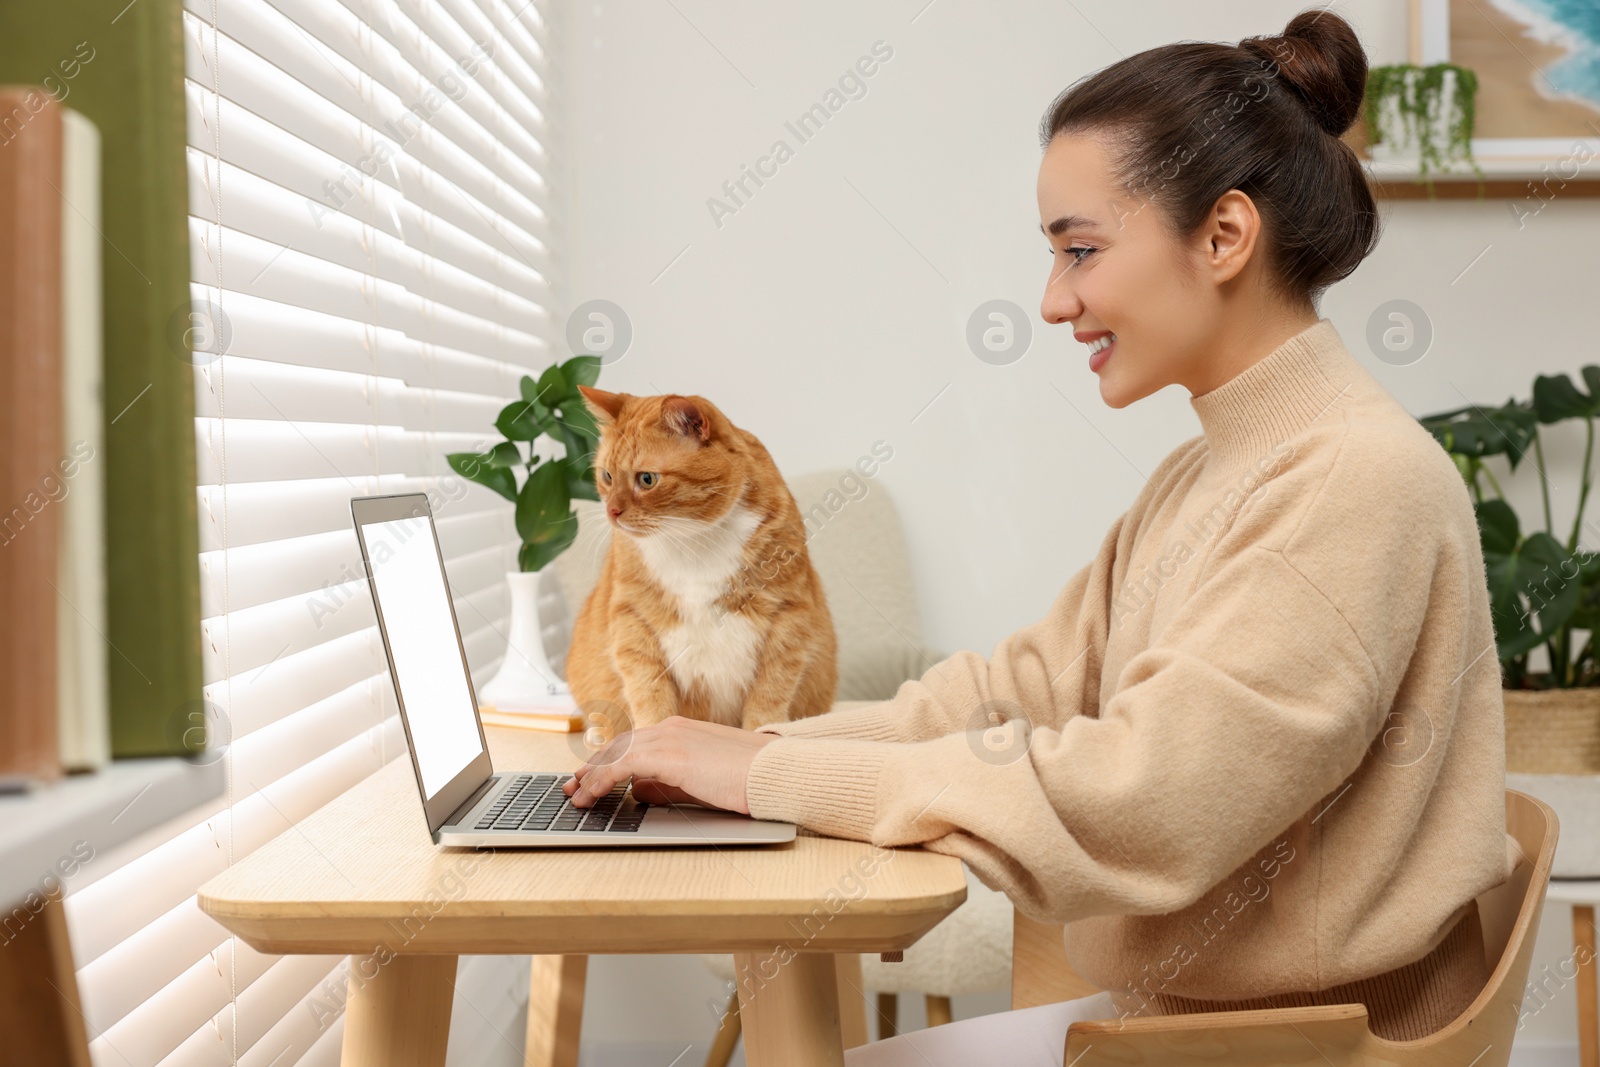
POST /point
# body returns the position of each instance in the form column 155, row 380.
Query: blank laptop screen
column 429, row 672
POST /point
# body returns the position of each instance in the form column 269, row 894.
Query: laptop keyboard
column 536, row 802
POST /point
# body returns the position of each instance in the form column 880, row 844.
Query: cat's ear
column 683, row 416
column 604, row 406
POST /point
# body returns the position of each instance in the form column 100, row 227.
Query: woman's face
column 1119, row 275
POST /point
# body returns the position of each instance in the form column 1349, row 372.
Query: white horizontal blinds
column 371, row 188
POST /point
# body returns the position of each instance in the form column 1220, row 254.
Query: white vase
column 538, row 622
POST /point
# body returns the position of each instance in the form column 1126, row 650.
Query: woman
column 1253, row 755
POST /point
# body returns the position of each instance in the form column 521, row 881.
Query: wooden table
column 361, row 876
column 1583, row 895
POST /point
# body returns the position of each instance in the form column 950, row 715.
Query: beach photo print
column 1537, row 64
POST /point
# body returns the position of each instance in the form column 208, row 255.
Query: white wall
column 829, row 310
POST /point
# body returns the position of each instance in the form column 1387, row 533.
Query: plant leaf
column 578, row 416
column 532, row 557
column 473, row 467
column 544, row 505
column 581, row 370
column 1498, row 529
column 1555, row 398
column 553, row 387
column 1479, row 431
column 1591, row 378
column 505, row 454
column 523, row 420
column 1528, row 579
column 1549, row 579
column 580, row 480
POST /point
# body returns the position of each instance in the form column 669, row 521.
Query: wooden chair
column 1329, row 1034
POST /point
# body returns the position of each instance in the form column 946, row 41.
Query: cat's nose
column 613, row 510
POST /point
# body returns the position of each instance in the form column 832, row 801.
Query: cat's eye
column 647, row 479
column 607, row 476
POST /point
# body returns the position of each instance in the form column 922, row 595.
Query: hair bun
column 1319, row 58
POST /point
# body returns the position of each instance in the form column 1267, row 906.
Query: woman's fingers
column 654, row 791
column 607, row 754
column 599, row 781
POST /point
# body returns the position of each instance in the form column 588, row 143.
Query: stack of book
column 557, row 713
column 54, row 702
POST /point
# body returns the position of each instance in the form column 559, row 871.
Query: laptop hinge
column 466, row 805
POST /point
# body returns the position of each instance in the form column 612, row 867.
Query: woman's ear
column 604, row 406
column 1232, row 234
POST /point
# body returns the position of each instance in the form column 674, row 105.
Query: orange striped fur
column 707, row 605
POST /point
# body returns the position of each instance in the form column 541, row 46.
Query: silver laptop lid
column 427, row 660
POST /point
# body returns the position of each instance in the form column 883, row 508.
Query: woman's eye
column 647, row 479
column 1079, row 253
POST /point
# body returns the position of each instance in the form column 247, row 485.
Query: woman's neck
column 1246, row 339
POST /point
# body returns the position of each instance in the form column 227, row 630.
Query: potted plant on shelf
column 1421, row 118
column 551, row 408
column 1544, row 593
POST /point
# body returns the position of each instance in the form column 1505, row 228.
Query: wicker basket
column 1553, row 731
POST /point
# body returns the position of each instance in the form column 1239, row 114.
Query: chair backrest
column 1482, row 1035
column 857, row 545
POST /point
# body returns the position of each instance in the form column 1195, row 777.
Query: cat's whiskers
column 692, row 543
column 689, row 527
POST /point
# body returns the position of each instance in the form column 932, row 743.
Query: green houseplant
column 1544, row 590
column 551, row 407
column 1429, row 109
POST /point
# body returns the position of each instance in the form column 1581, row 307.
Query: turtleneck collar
column 1303, row 379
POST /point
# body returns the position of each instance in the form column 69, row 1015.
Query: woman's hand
column 677, row 760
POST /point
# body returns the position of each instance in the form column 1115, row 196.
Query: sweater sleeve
column 1256, row 699
column 1057, row 656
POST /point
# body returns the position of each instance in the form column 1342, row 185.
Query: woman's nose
column 1060, row 303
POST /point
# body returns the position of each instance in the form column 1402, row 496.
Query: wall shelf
column 1502, row 180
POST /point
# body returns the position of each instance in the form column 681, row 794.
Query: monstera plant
column 1544, row 588
column 551, row 407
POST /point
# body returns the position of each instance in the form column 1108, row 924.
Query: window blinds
column 371, row 187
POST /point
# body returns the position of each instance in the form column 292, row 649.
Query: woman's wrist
column 761, row 740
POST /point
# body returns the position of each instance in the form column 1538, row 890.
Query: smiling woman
column 1194, row 188
column 1206, row 700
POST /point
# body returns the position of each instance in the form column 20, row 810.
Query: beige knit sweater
column 1254, row 751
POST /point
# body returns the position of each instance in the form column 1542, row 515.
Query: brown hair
column 1187, row 122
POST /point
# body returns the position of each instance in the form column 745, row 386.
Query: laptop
column 466, row 801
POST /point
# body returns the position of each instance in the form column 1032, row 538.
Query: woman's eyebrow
column 1068, row 222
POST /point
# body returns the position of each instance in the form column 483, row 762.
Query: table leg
column 852, row 999
column 1588, row 1010
column 555, row 1010
column 789, row 1011
column 400, row 1016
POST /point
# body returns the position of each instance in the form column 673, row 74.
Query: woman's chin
column 1113, row 394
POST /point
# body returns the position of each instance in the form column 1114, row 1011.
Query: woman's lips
column 1098, row 359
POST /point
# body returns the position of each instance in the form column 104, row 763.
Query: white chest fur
column 694, row 562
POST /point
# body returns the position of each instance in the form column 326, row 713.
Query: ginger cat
column 707, row 605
